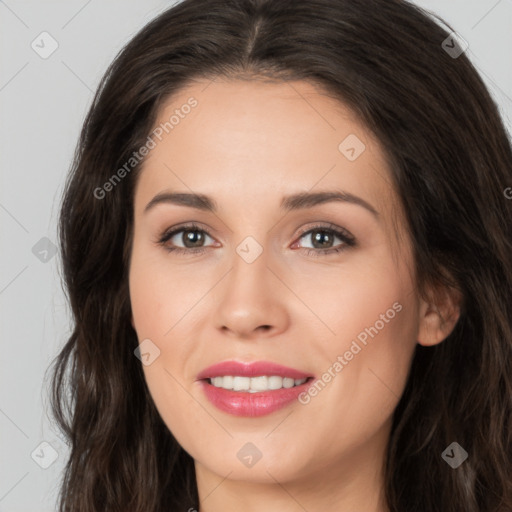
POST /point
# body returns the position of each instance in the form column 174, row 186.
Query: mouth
column 257, row 384
column 252, row 389
column 266, row 369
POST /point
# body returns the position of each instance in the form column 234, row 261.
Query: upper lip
column 253, row 369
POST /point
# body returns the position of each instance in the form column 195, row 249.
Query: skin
column 246, row 145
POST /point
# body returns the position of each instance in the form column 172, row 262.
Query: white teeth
column 217, row 381
column 288, row 383
column 241, row 383
column 255, row 384
column 259, row 383
column 275, row 382
column 227, row 381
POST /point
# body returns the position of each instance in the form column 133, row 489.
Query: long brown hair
column 451, row 160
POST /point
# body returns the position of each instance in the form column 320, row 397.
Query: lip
column 253, row 369
column 243, row 403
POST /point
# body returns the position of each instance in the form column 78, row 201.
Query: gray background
column 43, row 104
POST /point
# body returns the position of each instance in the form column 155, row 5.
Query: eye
column 323, row 238
column 192, row 236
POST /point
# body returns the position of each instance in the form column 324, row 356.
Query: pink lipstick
column 252, row 389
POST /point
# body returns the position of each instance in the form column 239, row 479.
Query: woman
column 217, row 362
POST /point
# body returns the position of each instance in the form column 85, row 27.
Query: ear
column 439, row 315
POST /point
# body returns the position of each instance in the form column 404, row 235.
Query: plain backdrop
column 43, row 101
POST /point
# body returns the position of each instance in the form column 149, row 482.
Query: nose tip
column 250, row 300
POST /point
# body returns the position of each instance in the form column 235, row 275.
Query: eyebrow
column 299, row 201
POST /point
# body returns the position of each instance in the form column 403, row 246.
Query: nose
column 251, row 300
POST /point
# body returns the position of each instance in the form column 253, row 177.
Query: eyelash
column 347, row 239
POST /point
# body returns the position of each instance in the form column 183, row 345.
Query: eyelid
column 343, row 234
column 329, row 226
column 170, row 232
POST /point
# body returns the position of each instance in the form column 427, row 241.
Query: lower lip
column 241, row 403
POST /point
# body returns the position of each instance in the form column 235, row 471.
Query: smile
column 252, row 389
column 255, row 384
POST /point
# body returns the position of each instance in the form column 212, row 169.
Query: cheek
column 376, row 341
column 161, row 313
column 368, row 300
column 160, row 296
column 372, row 314
column 161, row 307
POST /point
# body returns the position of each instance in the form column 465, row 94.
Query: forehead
column 247, row 144
column 267, row 137
column 255, row 121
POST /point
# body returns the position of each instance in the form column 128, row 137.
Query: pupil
column 195, row 237
column 321, row 237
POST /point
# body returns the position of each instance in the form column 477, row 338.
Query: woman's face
column 321, row 287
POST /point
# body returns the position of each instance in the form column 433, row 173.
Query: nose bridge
column 250, row 296
column 249, row 267
column 251, row 245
